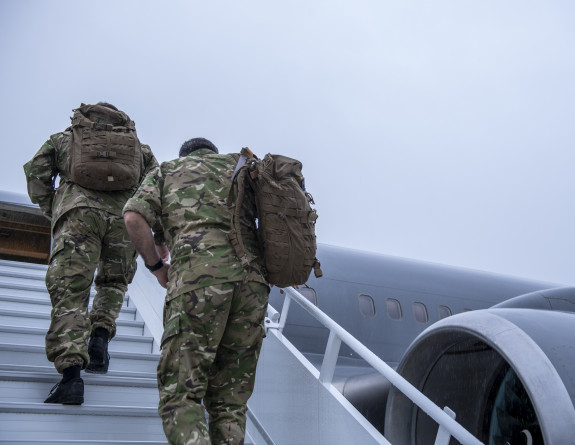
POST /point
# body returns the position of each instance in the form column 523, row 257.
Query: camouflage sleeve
column 147, row 202
column 150, row 161
column 41, row 172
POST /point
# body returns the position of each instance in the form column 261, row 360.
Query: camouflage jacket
column 189, row 196
column 52, row 160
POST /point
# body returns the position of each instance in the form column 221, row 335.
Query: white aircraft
column 498, row 351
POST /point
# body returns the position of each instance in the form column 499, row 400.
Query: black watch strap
column 155, row 267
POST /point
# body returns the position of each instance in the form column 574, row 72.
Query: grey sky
column 440, row 131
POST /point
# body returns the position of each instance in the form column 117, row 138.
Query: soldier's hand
column 162, row 275
column 163, row 252
column 295, row 286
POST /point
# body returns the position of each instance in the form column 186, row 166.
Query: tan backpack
column 286, row 221
column 105, row 153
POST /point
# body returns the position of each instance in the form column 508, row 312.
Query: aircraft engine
column 507, row 372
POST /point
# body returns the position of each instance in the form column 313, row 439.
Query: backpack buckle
column 245, row 261
column 105, row 154
column 102, row 126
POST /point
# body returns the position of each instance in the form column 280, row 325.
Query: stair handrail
column 148, row 296
column 444, row 418
column 144, row 287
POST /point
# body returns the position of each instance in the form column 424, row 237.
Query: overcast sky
column 435, row 130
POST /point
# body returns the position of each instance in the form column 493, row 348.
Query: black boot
column 98, row 351
column 70, row 390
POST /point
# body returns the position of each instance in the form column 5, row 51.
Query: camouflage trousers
column 210, row 348
column 86, row 239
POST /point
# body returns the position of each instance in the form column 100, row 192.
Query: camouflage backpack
column 286, row 221
column 105, row 152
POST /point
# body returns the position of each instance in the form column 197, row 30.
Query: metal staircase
column 120, row 407
column 293, row 403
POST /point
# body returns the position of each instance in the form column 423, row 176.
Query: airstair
column 294, row 403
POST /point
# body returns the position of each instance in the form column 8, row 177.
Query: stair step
column 43, row 305
column 32, row 421
column 6, row 265
column 42, row 320
column 247, row 441
column 84, row 442
column 33, row 387
column 40, row 293
column 25, row 290
column 36, row 336
column 50, row 371
column 14, row 275
column 16, row 354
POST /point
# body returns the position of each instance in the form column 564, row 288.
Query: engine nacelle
column 507, row 373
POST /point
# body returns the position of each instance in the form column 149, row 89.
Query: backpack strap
column 317, row 269
column 245, row 154
column 235, row 235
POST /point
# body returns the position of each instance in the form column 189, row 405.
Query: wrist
column 155, row 267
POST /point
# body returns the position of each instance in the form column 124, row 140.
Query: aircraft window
column 366, row 305
column 393, row 309
column 420, row 312
column 309, row 293
column 444, row 312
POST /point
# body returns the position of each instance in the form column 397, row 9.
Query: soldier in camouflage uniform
column 214, row 310
column 88, row 234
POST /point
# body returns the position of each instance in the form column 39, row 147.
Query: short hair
column 196, row 144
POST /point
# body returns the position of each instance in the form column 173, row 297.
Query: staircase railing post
column 330, row 358
column 443, row 436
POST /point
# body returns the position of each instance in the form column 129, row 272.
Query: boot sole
column 94, row 371
column 74, row 401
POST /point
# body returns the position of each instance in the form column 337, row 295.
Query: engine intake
column 507, row 373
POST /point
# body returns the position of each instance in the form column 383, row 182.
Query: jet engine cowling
column 507, row 373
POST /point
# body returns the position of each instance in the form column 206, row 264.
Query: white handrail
column 338, row 334
column 149, row 298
